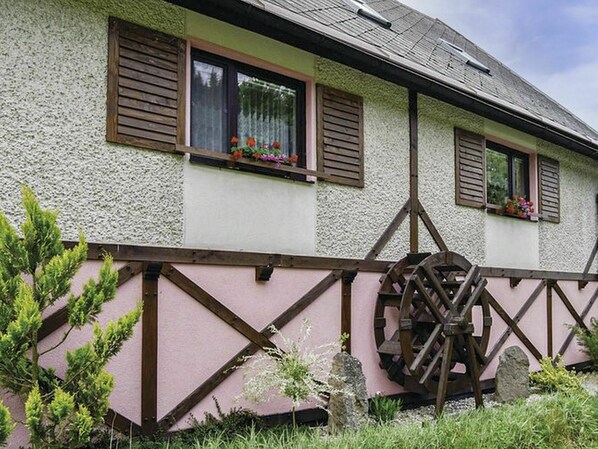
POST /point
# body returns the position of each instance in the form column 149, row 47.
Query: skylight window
column 463, row 55
column 363, row 10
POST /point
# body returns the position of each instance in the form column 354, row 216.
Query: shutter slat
column 549, row 187
column 146, row 78
column 470, row 169
column 340, row 136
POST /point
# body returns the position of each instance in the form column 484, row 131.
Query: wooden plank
column 227, row 369
column 146, row 135
column 182, row 92
column 350, row 138
column 147, row 50
column 147, row 116
column 148, row 98
column 346, row 296
column 512, row 324
column 112, row 95
column 146, row 124
column 432, row 229
column 413, row 174
column 149, row 349
column 584, row 314
column 140, row 35
column 340, row 143
column 342, row 167
column 445, row 369
column 129, row 104
column 147, row 59
column 139, row 66
column 536, row 274
column 470, row 152
column 59, row 318
column 125, row 72
column 328, row 156
column 389, row 232
column 213, row 305
column 548, row 191
column 549, row 325
column 474, row 370
column 141, row 86
column 348, row 125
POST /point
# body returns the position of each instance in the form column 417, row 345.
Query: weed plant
column 384, row 409
column 554, row 377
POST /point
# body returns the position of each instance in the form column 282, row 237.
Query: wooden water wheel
column 432, row 325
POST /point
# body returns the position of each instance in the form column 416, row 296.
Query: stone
column 512, row 375
column 348, row 403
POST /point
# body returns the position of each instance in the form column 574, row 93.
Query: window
column 229, row 99
column 507, row 174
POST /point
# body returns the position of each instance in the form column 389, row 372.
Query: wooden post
column 149, row 349
column 413, row 176
column 348, row 277
column 549, row 344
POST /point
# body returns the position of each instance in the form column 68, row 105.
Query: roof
column 414, row 43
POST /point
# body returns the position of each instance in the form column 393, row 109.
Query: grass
column 555, row 421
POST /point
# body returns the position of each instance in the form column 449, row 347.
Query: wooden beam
column 586, row 270
column 346, row 294
column 559, row 291
column 121, row 424
column 584, row 314
column 228, row 368
column 496, row 272
column 549, row 324
column 413, row 173
column 230, row 258
column 149, row 349
column 512, row 324
column 389, row 232
column 263, row 273
column 59, row 318
column 431, row 228
column 213, row 305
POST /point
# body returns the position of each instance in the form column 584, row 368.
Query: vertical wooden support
column 549, row 343
column 149, row 349
column 413, row 173
column 348, row 277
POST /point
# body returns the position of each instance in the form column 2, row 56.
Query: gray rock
column 512, row 375
column 348, row 404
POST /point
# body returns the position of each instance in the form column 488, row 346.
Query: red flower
column 236, row 155
column 234, row 140
column 276, row 145
column 510, row 209
column 294, row 158
column 251, row 141
column 531, row 209
column 531, row 203
column 256, row 155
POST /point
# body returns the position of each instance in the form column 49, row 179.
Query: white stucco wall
column 227, row 209
column 53, row 65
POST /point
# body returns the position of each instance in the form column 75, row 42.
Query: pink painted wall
column 193, row 343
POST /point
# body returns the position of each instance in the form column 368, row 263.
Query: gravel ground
column 455, row 407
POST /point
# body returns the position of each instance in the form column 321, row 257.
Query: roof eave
column 287, row 27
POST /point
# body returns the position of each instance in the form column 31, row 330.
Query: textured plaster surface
column 567, row 246
column 350, row 219
column 53, row 65
column 462, row 228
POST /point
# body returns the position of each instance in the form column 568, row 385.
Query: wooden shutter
column 548, row 189
column 470, row 169
column 146, row 95
column 340, row 136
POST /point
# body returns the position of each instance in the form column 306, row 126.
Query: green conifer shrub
column 36, row 271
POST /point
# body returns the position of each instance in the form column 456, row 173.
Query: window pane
column 208, row 111
column 267, row 111
column 497, row 176
column 519, row 178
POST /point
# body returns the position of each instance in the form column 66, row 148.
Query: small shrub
column 225, row 425
column 384, row 409
column 554, row 377
column 588, row 339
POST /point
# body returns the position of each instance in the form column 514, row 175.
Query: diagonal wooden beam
column 228, row 368
column 59, row 318
column 583, row 316
column 215, row 306
column 431, row 228
column 586, row 270
column 559, row 291
column 512, row 323
column 389, row 232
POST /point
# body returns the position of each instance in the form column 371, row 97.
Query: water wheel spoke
column 428, row 299
column 445, row 369
column 478, row 350
column 474, row 370
column 438, row 289
column 472, row 277
column 474, row 298
column 431, row 368
column 426, row 349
